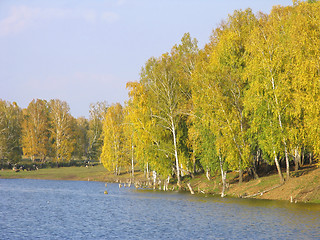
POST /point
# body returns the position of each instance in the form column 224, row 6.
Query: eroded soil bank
column 303, row 186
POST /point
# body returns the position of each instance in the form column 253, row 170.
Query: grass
column 96, row 173
column 92, row 173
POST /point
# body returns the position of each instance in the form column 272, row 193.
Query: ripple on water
column 43, row 209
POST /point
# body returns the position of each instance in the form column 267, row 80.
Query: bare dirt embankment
column 303, row 186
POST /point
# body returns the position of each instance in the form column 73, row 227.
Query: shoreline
column 303, row 187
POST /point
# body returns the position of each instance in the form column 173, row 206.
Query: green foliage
column 97, row 114
column 81, row 128
column 251, row 94
column 167, row 90
column 62, row 134
column 10, row 132
column 114, row 154
column 237, row 96
column 35, row 128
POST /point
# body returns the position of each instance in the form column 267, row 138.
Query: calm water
column 44, row 209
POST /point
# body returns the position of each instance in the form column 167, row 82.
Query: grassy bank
column 303, row 186
column 92, row 173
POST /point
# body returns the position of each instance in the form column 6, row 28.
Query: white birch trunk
column 148, row 174
column 176, row 153
column 132, row 164
column 223, row 177
column 207, row 174
column 278, row 166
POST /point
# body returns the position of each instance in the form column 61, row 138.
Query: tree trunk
column 255, row 175
column 284, row 141
column 296, row 160
column 154, row 176
column 148, row 174
column 207, row 173
column 287, row 160
column 132, row 164
column 194, row 162
column 302, row 158
column 176, row 154
column 240, row 175
column 310, row 158
column 223, row 177
column 254, row 169
column 166, row 183
column 278, row 167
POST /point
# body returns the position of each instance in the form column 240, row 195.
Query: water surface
column 46, row 209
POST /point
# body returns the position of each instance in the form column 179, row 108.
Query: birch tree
column 139, row 118
column 113, row 154
column 185, row 57
column 81, row 128
column 269, row 96
column 159, row 123
column 218, row 94
column 163, row 89
column 35, row 138
column 61, row 130
column 10, row 132
column 97, row 114
column 167, row 83
column 304, row 69
column 227, row 63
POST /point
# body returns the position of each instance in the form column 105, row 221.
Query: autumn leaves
column 250, row 95
column 46, row 131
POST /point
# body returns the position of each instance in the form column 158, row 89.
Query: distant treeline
column 250, row 97
column 46, row 132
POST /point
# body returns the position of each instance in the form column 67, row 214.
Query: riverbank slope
column 303, row 186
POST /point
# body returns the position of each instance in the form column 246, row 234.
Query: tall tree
column 269, row 96
column 185, row 57
column 219, row 85
column 10, row 132
column 62, row 131
column 113, row 155
column 164, row 94
column 166, row 80
column 97, row 114
column 227, row 63
column 35, row 139
column 81, row 128
column 304, row 69
column 207, row 107
column 138, row 117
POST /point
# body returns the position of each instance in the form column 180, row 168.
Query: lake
column 45, row 209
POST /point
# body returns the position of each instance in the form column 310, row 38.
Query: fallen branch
column 189, row 186
column 263, row 192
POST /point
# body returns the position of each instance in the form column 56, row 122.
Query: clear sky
column 86, row 51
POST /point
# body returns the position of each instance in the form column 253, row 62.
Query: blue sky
column 86, row 51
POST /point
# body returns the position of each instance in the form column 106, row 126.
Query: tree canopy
column 249, row 97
